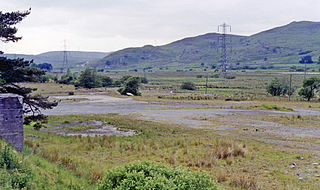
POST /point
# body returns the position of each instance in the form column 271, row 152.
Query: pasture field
column 235, row 159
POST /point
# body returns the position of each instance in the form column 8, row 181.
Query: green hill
column 281, row 45
column 56, row 57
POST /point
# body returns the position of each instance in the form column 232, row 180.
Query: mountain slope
column 285, row 44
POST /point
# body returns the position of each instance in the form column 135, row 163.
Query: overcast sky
column 110, row 25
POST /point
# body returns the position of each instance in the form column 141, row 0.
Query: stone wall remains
column 11, row 120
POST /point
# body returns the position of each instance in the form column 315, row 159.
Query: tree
column 106, row 81
column 68, row 78
column 306, row 59
column 277, row 87
column 188, row 86
column 308, row 87
column 45, row 66
column 7, row 22
column 131, row 85
column 89, row 79
column 14, row 71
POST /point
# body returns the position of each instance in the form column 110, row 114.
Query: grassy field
column 233, row 162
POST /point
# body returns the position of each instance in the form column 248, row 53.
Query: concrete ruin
column 11, row 120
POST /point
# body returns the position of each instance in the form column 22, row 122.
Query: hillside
column 56, row 57
column 281, row 45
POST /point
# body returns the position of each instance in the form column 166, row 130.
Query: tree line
column 308, row 90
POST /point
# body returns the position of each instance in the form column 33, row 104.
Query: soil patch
column 95, row 128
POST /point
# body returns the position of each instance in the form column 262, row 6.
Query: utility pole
column 290, row 87
column 305, row 71
column 223, row 44
column 206, row 84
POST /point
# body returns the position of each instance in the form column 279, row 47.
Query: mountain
column 56, row 57
column 281, row 45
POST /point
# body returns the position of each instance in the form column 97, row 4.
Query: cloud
column 108, row 25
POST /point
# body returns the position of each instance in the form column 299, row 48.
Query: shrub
column 308, row 87
column 144, row 80
column 106, row 81
column 68, row 78
column 89, row 79
column 230, row 77
column 117, row 83
column 7, row 159
column 131, row 85
column 188, row 86
column 13, row 175
column 277, row 88
column 148, row 175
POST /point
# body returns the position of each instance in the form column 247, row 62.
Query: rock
column 300, row 157
column 293, row 165
column 129, row 94
column 303, row 179
column 246, row 129
column 315, row 164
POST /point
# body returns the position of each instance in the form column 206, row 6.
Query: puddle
column 99, row 129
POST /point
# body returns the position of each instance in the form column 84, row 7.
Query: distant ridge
column 278, row 45
column 56, row 57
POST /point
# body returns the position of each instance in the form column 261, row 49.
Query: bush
column 117, row 83
column 148, row 175
column 230, row 77
column 13, row 175
column 89, row 79
column 188, row 86
column 106, row 81
column 308, row 87
column 144, row 80
column 131, row 85
column 277, row 88
column 68, row 78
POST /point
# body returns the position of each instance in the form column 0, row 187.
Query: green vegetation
column 130, row 85
column 68, row 78
column 277, row 48
column 13, row 175
column 188, row 86
column 308, row 87
column 89, row 79
column 230, row 161
column 148, row 175
column 14, row 71
column 275, row 107
column 278, row 87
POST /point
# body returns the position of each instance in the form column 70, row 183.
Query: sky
column 111, row 25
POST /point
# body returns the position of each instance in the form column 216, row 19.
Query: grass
column 236, row 161
column 275, row 107
column 46, row 175
column 308, row 121
column 199, row 150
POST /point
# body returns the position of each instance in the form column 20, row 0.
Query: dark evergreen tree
column 14, row 71
column 89, row 79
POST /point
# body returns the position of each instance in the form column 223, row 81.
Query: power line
column 224, row 43
column 65, row 57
